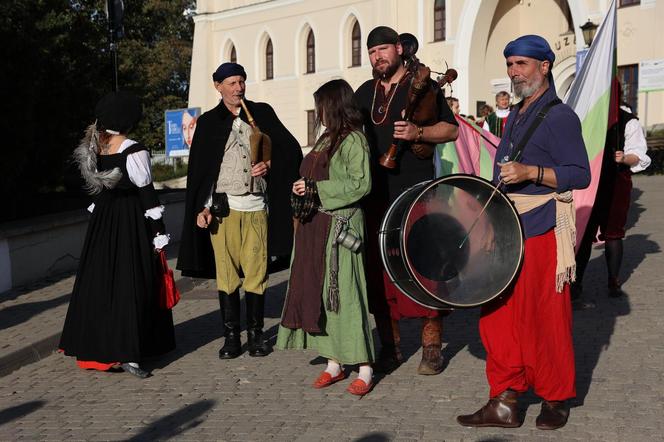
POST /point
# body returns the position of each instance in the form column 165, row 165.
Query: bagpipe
column 421, row 108
column 259, row 142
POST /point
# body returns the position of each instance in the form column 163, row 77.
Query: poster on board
column 651, row 75
column 179, row 131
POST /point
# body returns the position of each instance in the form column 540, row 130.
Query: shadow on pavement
column 461, row 330
column 176, row 423
column 197, row 332
column 593, row 329
column 375, row 436
column 636, row 247
column 190, row 335
column 12, row 413
column 17, row 314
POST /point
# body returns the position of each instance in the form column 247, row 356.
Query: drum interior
column 454, row 255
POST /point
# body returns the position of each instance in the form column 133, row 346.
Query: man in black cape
column 218, row 186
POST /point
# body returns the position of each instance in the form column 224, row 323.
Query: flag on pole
column 590, row 97
column 472, row 152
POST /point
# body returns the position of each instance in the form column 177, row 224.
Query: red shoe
column 325, row 379
column 359, row 388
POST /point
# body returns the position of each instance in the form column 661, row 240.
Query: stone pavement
column 195, row 396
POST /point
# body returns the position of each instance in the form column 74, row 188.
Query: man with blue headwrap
column 528, row 334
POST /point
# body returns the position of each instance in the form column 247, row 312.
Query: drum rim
column 407, row 261
column 382, row 233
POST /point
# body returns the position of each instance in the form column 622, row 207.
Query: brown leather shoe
column 432, row 359
column 500, row 411
column 554, row 415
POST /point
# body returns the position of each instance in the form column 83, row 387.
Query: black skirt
column 113, row 313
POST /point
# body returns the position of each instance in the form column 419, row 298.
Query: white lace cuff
column 155, row 212
column 161, row 241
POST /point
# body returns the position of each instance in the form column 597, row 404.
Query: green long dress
column 345, row 336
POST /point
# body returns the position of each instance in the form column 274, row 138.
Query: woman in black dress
column 114, row 319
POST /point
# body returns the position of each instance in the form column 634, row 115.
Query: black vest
column 615, row 140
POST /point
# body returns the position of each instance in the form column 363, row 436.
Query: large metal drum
column 442, row 251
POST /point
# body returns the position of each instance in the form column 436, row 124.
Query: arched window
column 233, row 55
column 356, row 45
column 269, row 60
column 311, row 52
column 439, row 20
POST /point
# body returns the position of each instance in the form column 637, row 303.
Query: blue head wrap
column 532, row 46
column 228, row 70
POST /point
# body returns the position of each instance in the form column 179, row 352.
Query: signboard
column 180, row 127
column 651, row 75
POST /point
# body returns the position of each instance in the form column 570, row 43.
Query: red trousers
column 528, row 336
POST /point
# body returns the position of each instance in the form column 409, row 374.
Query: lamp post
column 588, row 28
column 114, row 13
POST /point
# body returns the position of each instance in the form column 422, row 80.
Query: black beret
column 382, row 35
column 119, row 111
column 228, row 70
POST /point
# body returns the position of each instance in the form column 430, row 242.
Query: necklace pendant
column 381, row 109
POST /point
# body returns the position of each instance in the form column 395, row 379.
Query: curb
column 27, row 355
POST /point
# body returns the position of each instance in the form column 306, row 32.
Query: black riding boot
column 230, row 315
column 255, row 313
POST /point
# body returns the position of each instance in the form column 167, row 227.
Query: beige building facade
column 291, row 47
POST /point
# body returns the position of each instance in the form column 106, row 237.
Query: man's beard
column 525, row 90
column 390, row 70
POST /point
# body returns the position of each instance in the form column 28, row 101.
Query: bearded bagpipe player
column 406, row 114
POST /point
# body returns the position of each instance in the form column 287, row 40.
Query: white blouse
column 635, row 144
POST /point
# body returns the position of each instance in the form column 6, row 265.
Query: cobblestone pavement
column 195, row 396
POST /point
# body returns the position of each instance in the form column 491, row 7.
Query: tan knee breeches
column 239, row 242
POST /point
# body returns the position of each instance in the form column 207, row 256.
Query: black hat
column 119, row 111
column 228, row 70
column 382, row 35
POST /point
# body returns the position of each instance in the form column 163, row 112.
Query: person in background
column 114, row 318
column 495, row 121
column 326, row 305
column 453, row 104
column 625, row 153
column 484, row 111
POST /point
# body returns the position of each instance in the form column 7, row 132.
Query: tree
column 57, row 65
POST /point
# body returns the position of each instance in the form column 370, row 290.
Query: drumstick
column 472, row 226
column 495, row 189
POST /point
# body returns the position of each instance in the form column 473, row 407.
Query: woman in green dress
column 326, row 303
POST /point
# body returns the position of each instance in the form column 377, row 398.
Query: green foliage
column 57, row 64
column 165, row 172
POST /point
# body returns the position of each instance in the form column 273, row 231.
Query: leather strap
column 541, row 115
